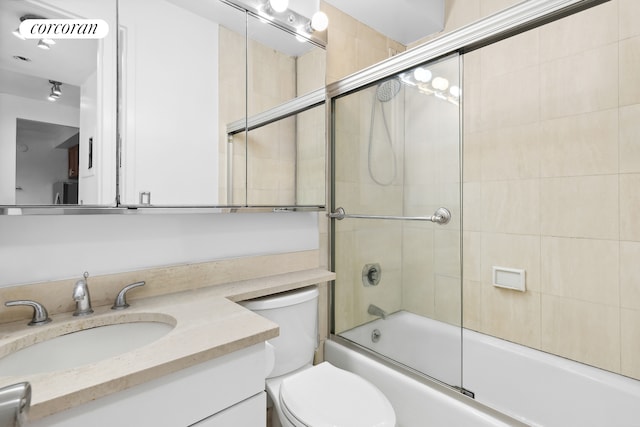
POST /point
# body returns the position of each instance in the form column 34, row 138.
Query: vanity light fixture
column 440, row 83
column 422, row 75
column 319, row 21
column 301, row 18
column 278, row 5
column 424, row 81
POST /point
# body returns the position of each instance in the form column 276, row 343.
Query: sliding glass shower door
column 396, row 218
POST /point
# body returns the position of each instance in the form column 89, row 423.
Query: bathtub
column 512, row 384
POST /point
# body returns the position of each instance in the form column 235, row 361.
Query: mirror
column 285, row 149
column 188, row 70
column 57, row 109
column 170, row 99
column 188, row 65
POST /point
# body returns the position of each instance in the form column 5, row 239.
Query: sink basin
column 82, row 347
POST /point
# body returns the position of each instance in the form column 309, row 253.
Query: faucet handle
column 40, row 315
column 121, row 300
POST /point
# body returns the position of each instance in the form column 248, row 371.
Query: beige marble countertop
column 208, row 324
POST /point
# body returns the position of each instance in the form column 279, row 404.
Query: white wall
column 41, row 248
column 170, row 104
column 89, row 179
column 100, row 188
column 38, row 169
column 12, row 108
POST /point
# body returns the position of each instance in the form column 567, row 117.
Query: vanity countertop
column 208, row 324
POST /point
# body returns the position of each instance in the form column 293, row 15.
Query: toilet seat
column 324, row 396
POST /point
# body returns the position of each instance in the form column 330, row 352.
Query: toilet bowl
column 304, row 395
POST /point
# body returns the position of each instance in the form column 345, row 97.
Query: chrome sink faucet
column 81, row 297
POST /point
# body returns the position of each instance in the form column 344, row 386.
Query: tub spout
column 376, row 311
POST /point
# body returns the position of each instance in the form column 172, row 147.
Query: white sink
column 82, row 347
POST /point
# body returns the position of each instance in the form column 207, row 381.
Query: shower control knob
column 371, row 274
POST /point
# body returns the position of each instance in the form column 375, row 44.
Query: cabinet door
column 74, row 161
column 249, row 413
column 179, row 399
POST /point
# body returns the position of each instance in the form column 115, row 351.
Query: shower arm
column 441, row 216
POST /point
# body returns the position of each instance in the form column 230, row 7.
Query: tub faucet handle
column 40, row 315
column 121, row 300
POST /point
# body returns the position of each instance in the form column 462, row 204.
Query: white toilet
column 313, row 396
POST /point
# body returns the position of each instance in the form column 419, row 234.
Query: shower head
column 388, row 89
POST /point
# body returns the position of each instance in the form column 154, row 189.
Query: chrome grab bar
column 441, row 216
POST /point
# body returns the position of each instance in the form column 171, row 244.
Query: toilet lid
column 324, row 396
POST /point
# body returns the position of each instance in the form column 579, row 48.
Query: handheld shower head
column 388, row 89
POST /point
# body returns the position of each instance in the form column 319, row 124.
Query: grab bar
column 441, row 216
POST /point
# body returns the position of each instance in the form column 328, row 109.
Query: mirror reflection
column 188, row 69
column 56, row 97
column 285, row 153
column 173, row 153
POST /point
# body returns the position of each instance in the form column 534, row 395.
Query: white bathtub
column 534, row 387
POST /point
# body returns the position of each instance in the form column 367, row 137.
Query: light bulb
column 279, row 5
column 455, row 91
column 440, row 83
column 319, row 21
column 422, row 75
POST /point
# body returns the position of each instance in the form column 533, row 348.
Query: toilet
column 304, row 395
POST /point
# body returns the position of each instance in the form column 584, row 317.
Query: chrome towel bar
column 441, row 216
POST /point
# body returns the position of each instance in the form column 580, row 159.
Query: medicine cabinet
column 183, row 104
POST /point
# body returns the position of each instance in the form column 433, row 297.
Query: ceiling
column 33, row 132
column 404, row 21
column 70, row 62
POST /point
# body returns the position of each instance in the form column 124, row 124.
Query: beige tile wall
column 551, row 172
column 232, row 107
column 420, row 261
column 311, row 132
column 271, row 168
column 352, row 45
column 551, row 178
column 271, row 151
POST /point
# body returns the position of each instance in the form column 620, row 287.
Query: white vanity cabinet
column 224, row 391
column 249, row 413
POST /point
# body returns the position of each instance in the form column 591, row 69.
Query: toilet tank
column 296, row 312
